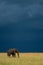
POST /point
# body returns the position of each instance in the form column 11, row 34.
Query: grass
column 24, row 59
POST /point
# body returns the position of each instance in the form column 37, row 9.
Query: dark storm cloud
column 9, row 13
column 23, row 1
column 21, row 23
column 15, row 12
column 29, row 16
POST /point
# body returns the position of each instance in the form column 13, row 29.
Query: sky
column 21, row 25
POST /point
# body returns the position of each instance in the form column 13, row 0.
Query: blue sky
column 21, row 25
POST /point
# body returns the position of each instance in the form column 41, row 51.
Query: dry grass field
column 24, row 59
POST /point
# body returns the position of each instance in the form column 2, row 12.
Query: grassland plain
column 24, row 59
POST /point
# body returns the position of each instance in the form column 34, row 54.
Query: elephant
column 13, row 52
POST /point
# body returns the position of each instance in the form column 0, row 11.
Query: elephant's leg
column 14, row 54
column 18, row 54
